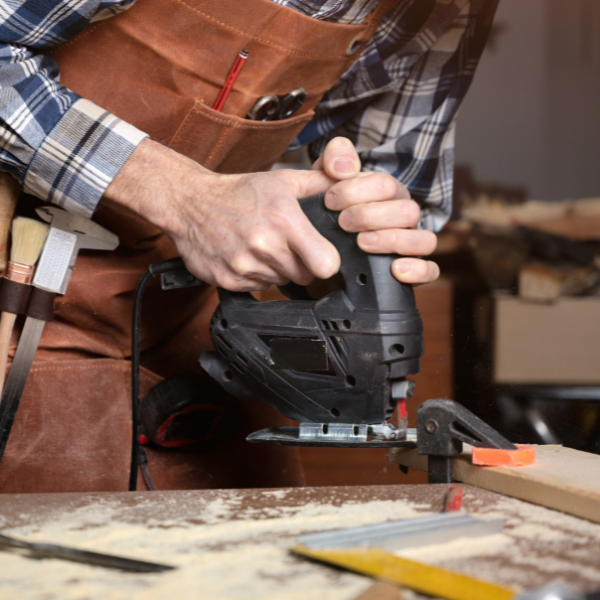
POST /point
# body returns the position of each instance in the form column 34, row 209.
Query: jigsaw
column 338, row 364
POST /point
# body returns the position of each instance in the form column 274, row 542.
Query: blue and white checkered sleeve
column 80, row 157
column 398, row 104
column 60, row 147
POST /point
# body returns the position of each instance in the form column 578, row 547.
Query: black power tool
column 338, row 364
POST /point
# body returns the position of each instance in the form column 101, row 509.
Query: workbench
column 234, row 544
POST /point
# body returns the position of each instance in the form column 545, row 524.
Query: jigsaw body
column 338, row 364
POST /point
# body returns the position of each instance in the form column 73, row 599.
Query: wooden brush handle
column 7, row 322
column 9, row 193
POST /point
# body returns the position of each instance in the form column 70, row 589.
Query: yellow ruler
column 420, row 577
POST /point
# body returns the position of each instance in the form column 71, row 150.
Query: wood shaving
column 218, row 558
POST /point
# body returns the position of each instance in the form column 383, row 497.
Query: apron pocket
column 229, row 144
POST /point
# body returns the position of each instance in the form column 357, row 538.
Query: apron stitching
column 274, row 125
column 87, row 31
column 120, row 363
column 233, row 123
column 175, row 137
column 266, row 41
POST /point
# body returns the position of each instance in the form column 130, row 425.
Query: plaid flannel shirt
column 397, row 103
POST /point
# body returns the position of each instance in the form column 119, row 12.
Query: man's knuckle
column 388, row 186
column 430, row 241
column 259, row 242
column 402, row 191
column 411, row 212
column 434, row 270
column 409, row 241
column 280, row 218
column 364, row 217
column 240, row 266
column 393, row 239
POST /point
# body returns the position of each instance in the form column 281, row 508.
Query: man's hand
column 379, row 208
column 246, row 232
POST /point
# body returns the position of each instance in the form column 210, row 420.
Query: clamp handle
column 442, row 427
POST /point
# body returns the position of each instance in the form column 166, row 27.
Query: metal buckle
column 354, row 45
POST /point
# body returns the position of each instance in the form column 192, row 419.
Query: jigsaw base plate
column 290, row 436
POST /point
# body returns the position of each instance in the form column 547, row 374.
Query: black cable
column 135, row 379
column 145, row 472
column 173, row 264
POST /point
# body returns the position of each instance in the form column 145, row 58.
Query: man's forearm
column 153, row 182
column 246, row 232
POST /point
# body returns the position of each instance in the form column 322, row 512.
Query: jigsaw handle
column 368, row 278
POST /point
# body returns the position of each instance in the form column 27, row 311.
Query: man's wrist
column 152, row 183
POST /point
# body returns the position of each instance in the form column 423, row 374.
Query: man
column 384, row 77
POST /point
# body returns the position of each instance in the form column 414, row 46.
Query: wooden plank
column 544, row 283
column 561, row 478
column 381, row 591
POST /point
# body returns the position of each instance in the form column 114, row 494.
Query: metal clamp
column 442, row 427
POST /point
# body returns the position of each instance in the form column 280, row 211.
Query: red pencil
column 233, row 75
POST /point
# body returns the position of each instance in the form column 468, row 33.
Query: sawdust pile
column 218, row 558
column 225, row 549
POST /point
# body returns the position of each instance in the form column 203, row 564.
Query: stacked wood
column 544, row 283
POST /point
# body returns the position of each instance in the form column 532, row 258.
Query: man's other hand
column 379, row 209
column 247, row 232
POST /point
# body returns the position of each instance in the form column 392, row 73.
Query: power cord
column 173, row 266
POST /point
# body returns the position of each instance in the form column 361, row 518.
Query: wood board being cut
column 561, row 478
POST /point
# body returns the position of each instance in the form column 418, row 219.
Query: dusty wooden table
column 234, row 544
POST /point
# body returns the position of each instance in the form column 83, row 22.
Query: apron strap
column 374, row 17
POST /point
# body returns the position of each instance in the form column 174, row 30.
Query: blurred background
column 527, row 334
column 512, row 329
column 532, row 115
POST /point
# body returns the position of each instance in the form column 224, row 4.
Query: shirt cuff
column 80, row 157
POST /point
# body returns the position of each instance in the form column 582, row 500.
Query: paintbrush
column 27, row 240
column 9, row 193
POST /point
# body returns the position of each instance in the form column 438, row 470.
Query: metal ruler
column 427, row 579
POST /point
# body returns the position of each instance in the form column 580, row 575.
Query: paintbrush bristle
column 27, row 240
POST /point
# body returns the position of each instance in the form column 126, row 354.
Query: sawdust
column 226, row 549
column 223, row 551
column 530, row 532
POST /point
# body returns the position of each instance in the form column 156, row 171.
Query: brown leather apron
column 160, row 66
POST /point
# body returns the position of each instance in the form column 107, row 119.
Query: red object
column 492, row 457
column 230, row 81
column 162, row 430
column 454, row 499
column 143, row 439
column 402, row 413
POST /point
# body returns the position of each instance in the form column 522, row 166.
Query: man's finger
column 317, row 254
column 289, row 266
column 375, row 187
column 415, row 270
column 380, row 215
column 407, row 242
column 309, row 183
column 339, row 160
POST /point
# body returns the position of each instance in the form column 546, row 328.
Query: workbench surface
column 234, row 544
